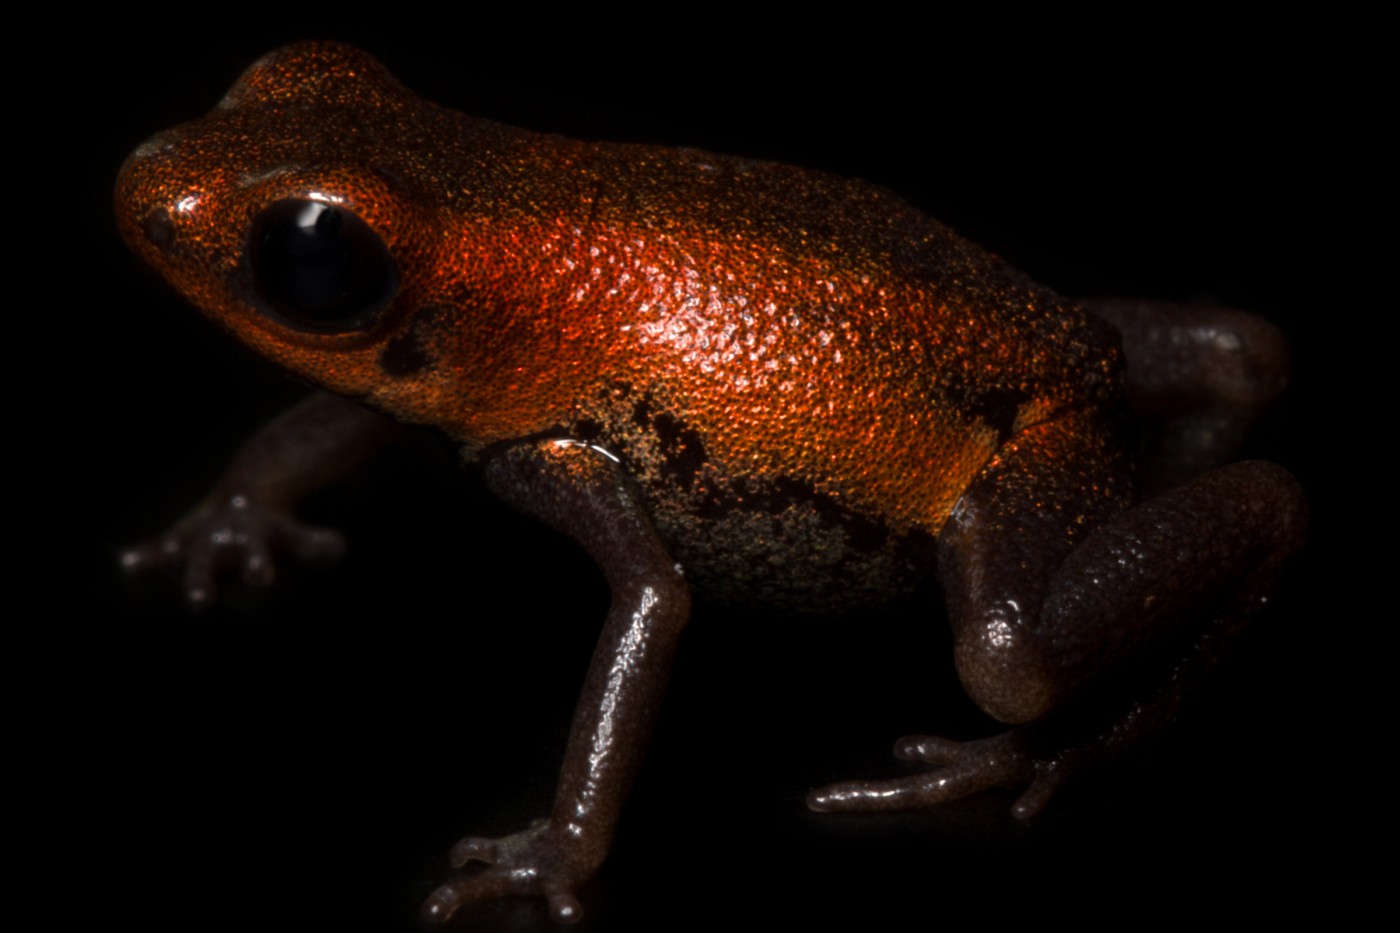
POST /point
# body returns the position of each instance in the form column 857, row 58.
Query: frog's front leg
column 1053, row 586
column 580, row 490
column 247, row 518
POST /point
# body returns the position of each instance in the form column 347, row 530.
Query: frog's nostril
column 159, row 228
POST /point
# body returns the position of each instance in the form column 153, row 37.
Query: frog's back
column 796, row 367
column 803, row 372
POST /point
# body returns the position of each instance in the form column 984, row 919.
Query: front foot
column 535, row 863
column 231, row 531
column 963, row 769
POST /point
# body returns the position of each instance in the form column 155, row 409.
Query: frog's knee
column 1003, row 671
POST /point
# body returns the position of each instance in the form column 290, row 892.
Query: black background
column 303, row 758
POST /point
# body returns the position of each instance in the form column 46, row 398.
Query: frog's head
column 288, row 214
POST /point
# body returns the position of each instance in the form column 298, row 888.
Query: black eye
column 319, row 266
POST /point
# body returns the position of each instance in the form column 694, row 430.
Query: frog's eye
column 319, row 266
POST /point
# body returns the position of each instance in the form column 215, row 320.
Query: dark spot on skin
column 996, row 408
column 159, row 228
column 587, row 429
column 862, row 533
column 641, row 413
column 402, row 357
column 407, row 354
column 682, row 448
column 916, row 551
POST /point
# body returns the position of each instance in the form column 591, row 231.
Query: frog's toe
column 460, row 894
column 964, row 768
column 473, row 849
column 441, row 904
column 930, row 749
column 563, row 906
column 1044, row 785
column 200, row 574
column 177, row 549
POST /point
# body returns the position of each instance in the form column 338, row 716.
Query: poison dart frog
column 754, row 383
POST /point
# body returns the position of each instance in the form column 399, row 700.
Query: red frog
column 759, row 383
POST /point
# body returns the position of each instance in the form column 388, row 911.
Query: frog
column 727, row 379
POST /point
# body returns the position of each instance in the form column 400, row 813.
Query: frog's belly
column 767, row 504
column 781, row 544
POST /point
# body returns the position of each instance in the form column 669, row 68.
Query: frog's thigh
column 1202, row 373
column 1052, row 581
column 1183, row 356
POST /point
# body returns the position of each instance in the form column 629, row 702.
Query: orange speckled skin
column 797, row 369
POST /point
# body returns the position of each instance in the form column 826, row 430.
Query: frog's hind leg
column 1056, row 590
column 1199, row 376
